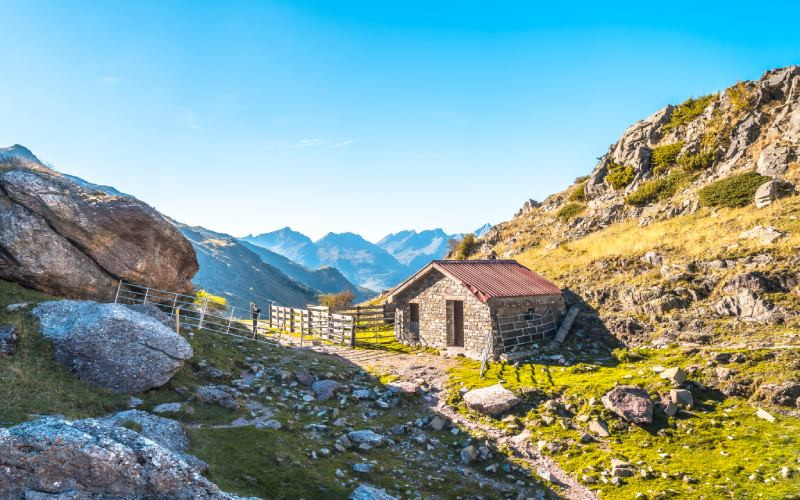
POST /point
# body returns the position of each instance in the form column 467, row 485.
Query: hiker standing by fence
column 255, row 311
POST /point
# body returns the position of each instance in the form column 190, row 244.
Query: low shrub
column 570, row 210
column 688, row 110
column 664, row 157
column 661, row 188
column 462, row 249
column 740, row 96
column 697, row 161
column 581, row 178
column 734, row 191
column 579, row 193
column 618, row 175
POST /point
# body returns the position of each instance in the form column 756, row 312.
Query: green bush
column 664, row 157
column 740, row 96
column 688, row 110
column 697, row 161
column 579, row 193
column 661, row 188
column 570, row 210
column 581, row 178
column 618, row 175
column 465, row 247
column 734, row 191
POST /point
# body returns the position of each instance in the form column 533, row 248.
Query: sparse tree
column 342, row 299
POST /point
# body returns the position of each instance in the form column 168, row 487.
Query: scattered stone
column 469, row 454
column 586, row 438
column 325, row 389
column 437, row 423
column 366, row 436
column 304, row 377
column 362, row 394
column 135, row 402
column 631, row 403
column 112, row 346
column 402, row 387
column 17, row 307
column 620, row 468
column 271, row 424
column 363, row 467
column 765, row 234
column 545, row 474
column 599, row 428
column 653, row 258
column 367, row 492
column 491, row 400
column 670, row 409
column 93, row 459
column 167, row 408
column 765, row 415
column 681, row 397
column 216, row 395
column 785, row 394
column 747, row 305
column 675, row 375
column 8, row 340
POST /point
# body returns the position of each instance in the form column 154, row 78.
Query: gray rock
column 402, row 387
column 771, row 191
column 135, row 402
column 631, row 403
column 437, row 423
column 599, row 428
column 653, row 258
column 154, row 312
column 765, row 234
column 676, row 375
column 469, row 454
column 17, row 307
column 491, row 400
column 304, row 377
column 363, row 467
column 216, row 395
column 362, row 394
column 271, row 424
column 784, row 394
column 681, row 397
column 670, row 409
column 774, row 160
column 366, row 436
column 74, row 239
column 8, row 340
column 167, row 408
column 325, row 389
column 112, row 346
column 367, row 492
column 748, row 306
column 93, row 459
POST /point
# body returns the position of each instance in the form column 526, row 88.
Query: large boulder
column 748, row 306
column 491, row 400
column 631, row 403
column 92, row 459
column 68, row 237
column 112, row 346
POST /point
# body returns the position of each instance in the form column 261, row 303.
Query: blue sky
column 368, row 116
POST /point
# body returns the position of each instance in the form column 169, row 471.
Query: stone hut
column 473, row 306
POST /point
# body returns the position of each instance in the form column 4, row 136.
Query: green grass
column 734, row 191
column 720, row 445
column 661, row 188
column 665, row 157
column 570, row 211
column 619, row 176
column 688, row 110
column 31, row 382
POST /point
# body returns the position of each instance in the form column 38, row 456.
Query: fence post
column 353, row 335
column 202, row 312
column 116, row 297
column 177, row 314
column 174, row 303
column 230, row 320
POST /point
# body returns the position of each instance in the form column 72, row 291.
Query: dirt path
column 434, row 370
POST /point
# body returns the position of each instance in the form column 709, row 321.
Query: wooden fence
column 369, row 317
column 315, row 321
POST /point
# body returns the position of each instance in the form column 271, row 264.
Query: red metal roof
column 497, row 278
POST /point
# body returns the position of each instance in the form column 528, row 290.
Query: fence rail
column 369, row 317
column 282, row 324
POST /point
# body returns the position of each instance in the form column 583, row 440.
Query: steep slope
column 415, row 249
column 291, row 244
column 325, row 279
column 65, row 236
column 231, row 270
column 361, row 261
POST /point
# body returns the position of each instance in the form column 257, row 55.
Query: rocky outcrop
column 76, row 239
column 748, row 306
column 92, row 459
column 112, row 346
column 771, row 191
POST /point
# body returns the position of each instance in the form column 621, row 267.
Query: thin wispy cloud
column 316, row 142
column 189, row 119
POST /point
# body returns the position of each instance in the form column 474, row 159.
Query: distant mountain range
column 376, row 266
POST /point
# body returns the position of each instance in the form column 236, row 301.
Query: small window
column 414, row 313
